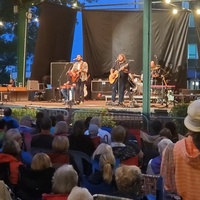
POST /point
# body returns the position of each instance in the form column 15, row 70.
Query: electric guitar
column 113, row 76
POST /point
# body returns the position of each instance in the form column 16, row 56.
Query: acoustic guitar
column 113, row 76
column 75, row 76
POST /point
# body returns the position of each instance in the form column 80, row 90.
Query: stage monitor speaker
column 101, row 86
column 51, row 94
column 58, row 72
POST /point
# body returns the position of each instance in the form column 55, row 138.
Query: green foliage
column 19, row 112
column 179, row 112
column 106, row 118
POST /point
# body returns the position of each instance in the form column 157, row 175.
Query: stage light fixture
column 74, row 4
column 167, row 1
column 198, row 11
column 175, row 11
column 1, row 23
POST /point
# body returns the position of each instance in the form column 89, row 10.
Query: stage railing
column 54, row 111
column 111, row 118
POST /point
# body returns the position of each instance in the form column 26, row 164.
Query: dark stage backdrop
column 108, row 33
column 55, row 38
column 197, row 27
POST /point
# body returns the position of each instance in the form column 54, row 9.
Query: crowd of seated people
column 49, row 149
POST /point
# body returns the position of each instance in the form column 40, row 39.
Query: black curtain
column 55, row 38
column 197, row 27
column 108, row 33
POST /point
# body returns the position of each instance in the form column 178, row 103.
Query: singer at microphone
column 118, row 78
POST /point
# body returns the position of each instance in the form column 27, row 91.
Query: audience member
column 37, row 126
column 120, row 150
column 164, row 133
column 60, row 117
column 26, row 125
column 167, row 170
column 44, row 139
column 154, row 164
column 59, row 156
column 78, row 193
column 64, row 180
column 186, row 156
column 14, row 134
column 53, row 123
column 61, row 128
column 10, row 154
column 37, row 180
column 129, row 182
column 101, row 149
column 8, row 118
column 156, row 127
column 104, row 135
column 93, row 130
column 87, row 122
column 2, row 131
column 129, row 138
column 80, row 142
column 175, row 135
column 105, row 174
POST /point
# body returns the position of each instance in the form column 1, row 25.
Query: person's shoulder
column 104, row 131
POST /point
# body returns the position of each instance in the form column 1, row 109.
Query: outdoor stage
column 89, row 104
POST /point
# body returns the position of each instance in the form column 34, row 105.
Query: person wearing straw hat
column 187, row 156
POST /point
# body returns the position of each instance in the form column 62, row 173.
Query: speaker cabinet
column 51, row 94
column 32, row 85
column 58, row 72
column 101, row 86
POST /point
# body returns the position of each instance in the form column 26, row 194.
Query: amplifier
column 32, row 85
column 101, row 86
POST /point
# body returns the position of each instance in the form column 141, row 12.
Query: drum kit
column 136, row 81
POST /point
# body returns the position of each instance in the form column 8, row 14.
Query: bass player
column 79, row 76
column 119, row 77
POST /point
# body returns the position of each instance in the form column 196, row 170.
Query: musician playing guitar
column 79, row 76
column 119, row 77
column 68, row 87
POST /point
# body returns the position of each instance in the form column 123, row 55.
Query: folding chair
column 83, row 162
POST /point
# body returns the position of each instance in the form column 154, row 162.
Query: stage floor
column 89, row 104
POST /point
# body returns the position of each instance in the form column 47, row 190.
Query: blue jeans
column 79, row 92
column 66, row 93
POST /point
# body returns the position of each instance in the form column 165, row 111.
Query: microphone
column 116, row 60
column 75, row 59
column 132, row 60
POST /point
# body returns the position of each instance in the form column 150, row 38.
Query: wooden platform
column 90, row 104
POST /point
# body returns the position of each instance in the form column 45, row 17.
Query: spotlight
column 167, row 1
column 1, row 23
column 75, row 4
column 175, row 11
column 198, row 11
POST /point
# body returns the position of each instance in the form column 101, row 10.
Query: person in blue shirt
column 10, row 121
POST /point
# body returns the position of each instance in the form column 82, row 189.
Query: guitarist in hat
column 79, row 76
column 119, row 77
